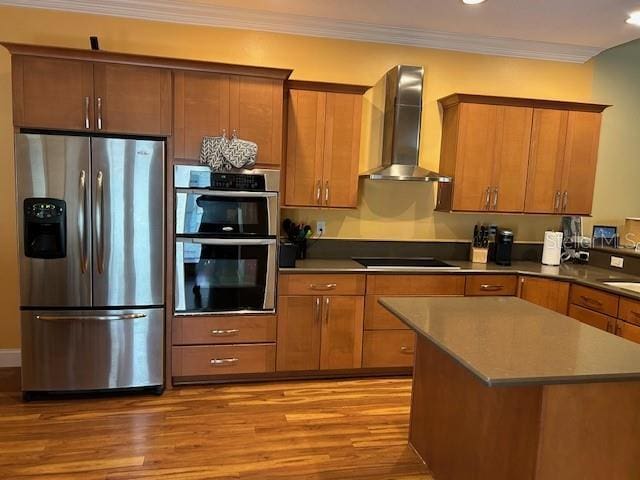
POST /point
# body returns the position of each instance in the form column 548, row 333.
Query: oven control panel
column 236, row 181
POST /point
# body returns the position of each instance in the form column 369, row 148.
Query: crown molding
column 199, row 13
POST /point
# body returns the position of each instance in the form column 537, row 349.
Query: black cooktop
column 393, row 262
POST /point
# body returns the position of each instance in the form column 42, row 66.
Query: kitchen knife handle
column 82, row 222
column 100, row 221
column 99, row 108
column 487, row 198
column 495, row 198
column 87, row 123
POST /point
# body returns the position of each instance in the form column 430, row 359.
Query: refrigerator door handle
column 125, row 316
column 100, row 221
column 82, row 223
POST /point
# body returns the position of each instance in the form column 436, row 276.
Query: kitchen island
column 504, row 389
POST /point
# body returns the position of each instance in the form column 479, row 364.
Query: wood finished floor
column 347, row 429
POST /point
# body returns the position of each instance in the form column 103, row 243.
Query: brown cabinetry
column 81, row 95
column 491, row 285
column 596, row 300
column 320, row 322
column 595, row 319
column 323, row 145
column 550, row 294
column 210, row 104
column 518, row 155
column 562, row 166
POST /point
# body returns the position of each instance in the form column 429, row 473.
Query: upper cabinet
column 323, row 145
column 210, row 104
column 61, row 94
column 514, row 155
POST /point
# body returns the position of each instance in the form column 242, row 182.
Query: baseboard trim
column 9, row 357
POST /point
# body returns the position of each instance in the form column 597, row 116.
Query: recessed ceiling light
column 634, row 19
column 472, row 2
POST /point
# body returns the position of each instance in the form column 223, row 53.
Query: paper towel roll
column 552, row 248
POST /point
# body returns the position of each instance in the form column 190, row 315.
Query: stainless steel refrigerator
column 91, row 249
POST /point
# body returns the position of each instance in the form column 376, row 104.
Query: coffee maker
column 504, row 247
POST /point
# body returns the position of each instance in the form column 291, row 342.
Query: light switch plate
column 617, row 262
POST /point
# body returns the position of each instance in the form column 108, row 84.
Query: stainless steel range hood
column 401, row 131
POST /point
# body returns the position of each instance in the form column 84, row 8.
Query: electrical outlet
column 321, row 227
column 617, row 262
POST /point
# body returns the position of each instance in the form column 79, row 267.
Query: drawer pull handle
column 591, row 301
column 407, row 350
column 323, row 287
column 225, row 333
column 491, row 288
column 219, row 362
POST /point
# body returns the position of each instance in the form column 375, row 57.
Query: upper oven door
column 228, row 213
column 219, row 275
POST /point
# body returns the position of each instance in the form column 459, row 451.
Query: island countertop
column 508, row 341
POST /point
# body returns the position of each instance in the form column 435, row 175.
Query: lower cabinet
column 551, row 294
column 388, row 348
column 628, row 330
column 595, row 319
column 213, row 360
column 320, row 332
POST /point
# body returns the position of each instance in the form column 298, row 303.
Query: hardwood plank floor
column 341, row 429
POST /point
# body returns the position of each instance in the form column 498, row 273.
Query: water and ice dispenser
column 45, row 228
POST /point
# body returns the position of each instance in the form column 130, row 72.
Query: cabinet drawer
column 628, row 331
column 376, row 317
column 199, row 330
column 594, row 300
column 491, row 285
column 223, row 359
column 321, row 284
column 388, row 348
column 595, row 319
column 415, row 284
column 629, row 311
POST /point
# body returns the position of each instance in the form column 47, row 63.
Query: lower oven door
column 216, row 275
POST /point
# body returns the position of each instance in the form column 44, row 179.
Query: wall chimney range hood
column 401, row 131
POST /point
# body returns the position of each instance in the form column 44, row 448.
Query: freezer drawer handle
column 224, row 333
column 124, row 316
column 219, row 362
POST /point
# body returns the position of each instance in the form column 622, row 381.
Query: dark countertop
column 508, row 341
column 577, row 273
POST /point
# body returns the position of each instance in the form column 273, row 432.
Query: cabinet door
column 52, row 93
column 342, row 324
column 341, row 150
column 628, row 331
column 256, row 114
column 550, row 294
column 132, row 99
column 298, row 333
column 513, row 138
column 305, row 145
column 595, row 319
column 201, row 108
column 580, row 159
column 476, row 153
column 544, row 180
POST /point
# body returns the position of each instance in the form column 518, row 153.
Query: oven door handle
column 225, row 193
column 230, row 241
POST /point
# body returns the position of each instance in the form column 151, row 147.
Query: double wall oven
column 226, row 240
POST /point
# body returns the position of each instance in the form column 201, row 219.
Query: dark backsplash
column 338, row 249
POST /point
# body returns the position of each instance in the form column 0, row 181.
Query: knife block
column 478, row 255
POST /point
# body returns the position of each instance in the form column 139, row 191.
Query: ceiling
column 567, row 30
